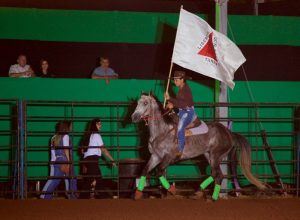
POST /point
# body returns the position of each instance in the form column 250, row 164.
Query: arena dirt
column 232, row 209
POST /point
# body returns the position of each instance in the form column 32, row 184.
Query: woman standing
column 184, row 102
column 60, row 153
column 94, row 147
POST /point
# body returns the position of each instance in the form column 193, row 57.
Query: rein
column 153, row 118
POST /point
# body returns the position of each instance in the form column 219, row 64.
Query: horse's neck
column 158, row 125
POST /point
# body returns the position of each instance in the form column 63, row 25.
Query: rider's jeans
column 185, row 118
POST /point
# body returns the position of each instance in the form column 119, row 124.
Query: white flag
column 200, row 48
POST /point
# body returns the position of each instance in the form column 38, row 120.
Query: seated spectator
column 44, row 69
column 21, row 69
column 104, row 71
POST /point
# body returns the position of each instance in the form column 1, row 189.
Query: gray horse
column 215, row 145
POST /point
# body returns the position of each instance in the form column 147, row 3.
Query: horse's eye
column 145, row 103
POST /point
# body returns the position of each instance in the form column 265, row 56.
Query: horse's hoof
column 198, row 195
column 209, row 200
column 237, row 194
column 172, row 189
column 138, row 195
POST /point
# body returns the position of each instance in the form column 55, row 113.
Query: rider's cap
column 180, row 75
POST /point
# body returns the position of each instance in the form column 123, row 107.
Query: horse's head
column 144, row 108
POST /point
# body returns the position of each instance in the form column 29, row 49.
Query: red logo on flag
column 208, row 49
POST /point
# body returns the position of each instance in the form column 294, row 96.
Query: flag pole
column 168, row 84
column 170, row 72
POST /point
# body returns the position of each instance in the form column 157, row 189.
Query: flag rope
column 247, row 82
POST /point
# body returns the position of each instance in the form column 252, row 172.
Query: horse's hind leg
column 216, row 175
column 233, row 169
column 153, row 162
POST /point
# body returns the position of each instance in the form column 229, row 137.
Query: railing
column 28, row 125
column 10, row 166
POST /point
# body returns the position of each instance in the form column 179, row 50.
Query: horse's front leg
column 162, row 169
column 152, row 163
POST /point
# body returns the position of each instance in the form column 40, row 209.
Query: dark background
column 148, row 61
column 144, row 61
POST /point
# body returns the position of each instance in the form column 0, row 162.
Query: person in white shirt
column 92, row 151
column 21, row 69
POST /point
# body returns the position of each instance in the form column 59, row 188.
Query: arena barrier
column 26, row 127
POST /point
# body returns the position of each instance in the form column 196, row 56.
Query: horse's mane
column 167, row 118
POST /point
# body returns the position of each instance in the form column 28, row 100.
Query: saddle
column 196, row 127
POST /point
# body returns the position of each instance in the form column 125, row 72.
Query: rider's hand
column 170, row 105
column 167, row 96
column 114, row 164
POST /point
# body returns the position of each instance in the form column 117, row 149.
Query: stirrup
column 178, row 153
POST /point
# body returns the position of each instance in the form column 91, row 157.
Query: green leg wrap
column 141, row 184
column 206, row 182
column 164, row 182
column 216, row 193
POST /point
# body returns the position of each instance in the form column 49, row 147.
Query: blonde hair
column 56, row 140
column 63, row 128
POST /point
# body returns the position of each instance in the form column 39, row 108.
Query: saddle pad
column 201, row 129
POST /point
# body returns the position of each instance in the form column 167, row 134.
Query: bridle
column 148, row 118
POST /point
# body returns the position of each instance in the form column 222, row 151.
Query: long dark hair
column 41, row 63
column 92, row 128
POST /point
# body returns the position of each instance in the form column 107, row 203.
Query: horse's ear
column 150, row 93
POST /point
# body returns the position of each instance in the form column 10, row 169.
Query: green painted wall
column 88, row 89
column 134, row 27
column 76, row 90
column 264, row 30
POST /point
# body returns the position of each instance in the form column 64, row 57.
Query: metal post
column 118, row 143
column 255, row 3
column 72, row 177
column 25, row 148
column 16, row 172
column 221, row 88
column 298, row 164
column 21, row 138
column 16, row 177
column 297, row 130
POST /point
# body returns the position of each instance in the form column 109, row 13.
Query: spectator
column 92, row 151
column 44, row 69
column 21, row 69
column 60, row 153
column 54, row 166
column 104, row 71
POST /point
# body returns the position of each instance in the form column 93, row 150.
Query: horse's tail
column 245, row 159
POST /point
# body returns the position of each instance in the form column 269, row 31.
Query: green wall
column 40, row 129
column 134, row 27
column 143, row 28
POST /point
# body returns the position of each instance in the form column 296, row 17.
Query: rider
column 184, row 102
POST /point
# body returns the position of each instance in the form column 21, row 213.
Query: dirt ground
column 254, row 209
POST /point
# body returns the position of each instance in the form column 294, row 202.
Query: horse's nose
column 135, row 117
